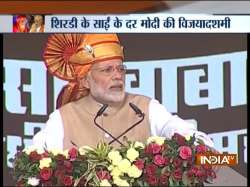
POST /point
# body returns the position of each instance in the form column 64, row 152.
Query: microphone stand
column 139, row 113
column 99, row 113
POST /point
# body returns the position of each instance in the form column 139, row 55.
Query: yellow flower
column 120, row 182
column 115, row 157
column 45, row 162
column 82, row 150
column 134, row 172
column 157, row 139
column 66, row 153
column 105, row 182
column 29, row 149
column 56, row 151
column 132, row 154
column 111, row 167
column 139, row 145
column 187, row 137
column 116, row 172
column 124, row 165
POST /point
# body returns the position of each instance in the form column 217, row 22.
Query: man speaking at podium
column 94, row 106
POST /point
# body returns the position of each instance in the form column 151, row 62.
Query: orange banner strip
column 77, row 7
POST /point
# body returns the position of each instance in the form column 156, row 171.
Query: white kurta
column 162, row 123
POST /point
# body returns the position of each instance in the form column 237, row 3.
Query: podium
column 227, row 176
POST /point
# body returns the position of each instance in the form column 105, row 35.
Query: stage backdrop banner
column 209, row 91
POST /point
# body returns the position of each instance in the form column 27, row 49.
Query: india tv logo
column 216, row 159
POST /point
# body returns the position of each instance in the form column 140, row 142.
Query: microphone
column 136, row 109
column 137, row 112
column 99, row 113
column 102, row 109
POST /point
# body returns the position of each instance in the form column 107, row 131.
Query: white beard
column 106, row 96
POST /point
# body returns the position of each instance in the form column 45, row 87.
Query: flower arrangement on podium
column 159, row 161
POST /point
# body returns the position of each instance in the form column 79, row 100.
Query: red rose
column 60, row 159
column 153, row 148
column 151, row 169
column 159, row 160
column 190, row 174
column 177, row 162
column 156, row 148
column 34, row 156
column 201, row 148
column 60, row 167
column 67, row 180
column 194, row 170
column 185, row 152
column 207, row 167
column 200, row 173
column 103, row 174
column 68, row 166
column 46, row 173
column 211, row 173
column 179, row 139
column 20, row 183
column 59, row 173
column 167, row 160
column 164, row 179
column 73, row 153
column 177, row 174
column 139, row 164
column 152, row 180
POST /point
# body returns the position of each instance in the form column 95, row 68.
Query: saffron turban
column 70, row 56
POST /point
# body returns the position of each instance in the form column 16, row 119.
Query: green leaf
column 89, row 177
column 164, row 169
column 177, row 183
column 140, row 183
column 96, row 180
column 146, row 184
column 186, row 181
column 171, row 182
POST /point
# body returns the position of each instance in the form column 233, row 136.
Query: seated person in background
column 38, row 24
column 93, row 65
